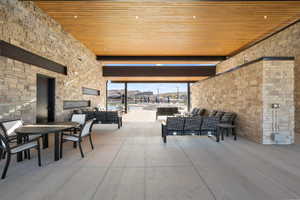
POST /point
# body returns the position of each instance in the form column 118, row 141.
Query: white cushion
column 32, row 137
column 71, row 138
column 24, row 147
column 86, row 130
column 79, row 118
column 11, row 126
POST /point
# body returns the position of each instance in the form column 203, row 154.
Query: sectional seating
column 197, row 124
column 104, row 117
column 166, row 111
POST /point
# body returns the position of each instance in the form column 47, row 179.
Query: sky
column 163, row 87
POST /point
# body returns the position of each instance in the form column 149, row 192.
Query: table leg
column 20, row 154
column 222, row 133
column 218, row 135
column 234, row 133
column 45, row 141
column 56, row 146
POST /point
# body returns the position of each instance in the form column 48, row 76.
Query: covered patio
column 239, row 63
column 133, row 163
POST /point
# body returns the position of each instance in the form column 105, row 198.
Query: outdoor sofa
column 198, row 125
column 166, row 111
column 103, row 117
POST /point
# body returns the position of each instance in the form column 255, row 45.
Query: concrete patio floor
column 133, row 164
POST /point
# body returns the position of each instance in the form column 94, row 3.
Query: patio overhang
column 105, row 60
column 158, row 79
column 160, row 72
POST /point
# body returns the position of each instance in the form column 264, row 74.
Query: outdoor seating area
column 19, row 138
column 133, row 164
column 215, row 124
column 105, row 117
column 149, row 100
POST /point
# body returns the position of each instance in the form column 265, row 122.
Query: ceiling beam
column 17, row 53
column 158, row 71
column 160, row 58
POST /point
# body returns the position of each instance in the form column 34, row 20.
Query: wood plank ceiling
column 170, row 28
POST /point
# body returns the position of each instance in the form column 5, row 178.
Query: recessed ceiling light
column 136, row 17
column 194, row 17
column 265, row 17
column 75, row 16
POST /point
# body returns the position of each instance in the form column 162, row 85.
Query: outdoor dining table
column 55, row 128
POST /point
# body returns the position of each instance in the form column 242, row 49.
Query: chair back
column 212, row 113
column 219, row 114
column 78, row 118
column 193, row 123
column 228, row 117
column 100, row 116
column 112, row 116
column 175, row 123
column 87, row 127
column 10, row 126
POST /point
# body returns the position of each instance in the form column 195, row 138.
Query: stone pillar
column 278, row 88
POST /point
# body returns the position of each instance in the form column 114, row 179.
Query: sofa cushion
column 192, row 123
column 175, row 123
column 228, row 117
column 212, row 113
column 210, row 123
column 219, row 114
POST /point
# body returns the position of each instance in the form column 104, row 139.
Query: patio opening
column 149, row 100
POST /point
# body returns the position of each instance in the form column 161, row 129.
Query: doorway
column 45, row 104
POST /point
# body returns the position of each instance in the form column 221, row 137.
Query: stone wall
column 250, row 91
column 239, row 91
column 25, row 25
column 284, row 43
column 278, row 88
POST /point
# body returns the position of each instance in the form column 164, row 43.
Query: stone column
column 278, row 88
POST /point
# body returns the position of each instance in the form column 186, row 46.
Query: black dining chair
column 6, row 147
column 85, row 131
column 8, row 127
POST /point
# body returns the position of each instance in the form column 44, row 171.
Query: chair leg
column 1, row 152
column 80, row 148
column 90, row 136
column 28, row 154
column 25, row 154
column 39, row 154
column 4, row 154
column 227, row 132
column 165, row 137
column 6, row 166
column 61, row 146
column 234, row 133
column 222, row 130
column 218, row 135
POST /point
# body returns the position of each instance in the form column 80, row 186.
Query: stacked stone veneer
column 25, row 25
column 278, row 87
column 284, row 43
column 249, row 91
